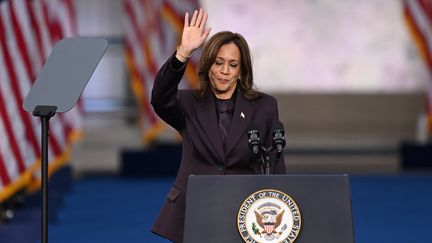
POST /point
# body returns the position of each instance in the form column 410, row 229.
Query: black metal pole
column 265, row 157
column 45, row 129
column 45, row 113
column 267, row 165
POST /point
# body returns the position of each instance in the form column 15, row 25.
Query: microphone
column 254, row 140
column 278, row 136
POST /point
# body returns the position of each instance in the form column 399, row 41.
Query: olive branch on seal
column 255, row 229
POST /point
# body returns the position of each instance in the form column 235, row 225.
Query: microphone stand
column 277, row 158
column 265, row 160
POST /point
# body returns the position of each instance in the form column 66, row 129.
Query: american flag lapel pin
column 242, row 115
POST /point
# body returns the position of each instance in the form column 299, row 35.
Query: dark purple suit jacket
column 203, row 152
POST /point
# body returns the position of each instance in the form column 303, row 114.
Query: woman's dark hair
column 208, row 56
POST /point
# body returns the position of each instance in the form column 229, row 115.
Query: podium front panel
column 213, row 204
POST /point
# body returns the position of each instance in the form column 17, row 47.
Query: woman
column 213, row 120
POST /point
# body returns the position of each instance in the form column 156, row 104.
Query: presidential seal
column 269, row 216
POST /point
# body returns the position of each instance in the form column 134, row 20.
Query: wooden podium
column 213, row 207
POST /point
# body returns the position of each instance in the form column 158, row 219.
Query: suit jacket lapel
column 208, row 119
column 243, row 113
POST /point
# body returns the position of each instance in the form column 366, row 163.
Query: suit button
column 221, row 169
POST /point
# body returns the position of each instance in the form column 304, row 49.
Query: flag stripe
column 139, row 87
column 20, row 41
column 426, row 9
column 418, row 17
column 37, row 34
column 4, row 177
column 418, row 35
column 28, row 31
column 53, row 24
column 12, row 71
column 132, row 65
column 24, row 54
column 43, row 28
column 10, row 135
column 10, row 163
column 17, row 95
column 72, row 16
column 141, row 39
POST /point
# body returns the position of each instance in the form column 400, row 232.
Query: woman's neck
column 225, row 95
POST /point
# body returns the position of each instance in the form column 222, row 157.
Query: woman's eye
column 234, row 65
column 218, row 63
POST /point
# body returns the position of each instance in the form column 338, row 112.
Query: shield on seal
column 269, row 227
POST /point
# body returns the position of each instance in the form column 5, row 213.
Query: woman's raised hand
column 194, row 34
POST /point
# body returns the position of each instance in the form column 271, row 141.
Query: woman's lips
column 223, row 81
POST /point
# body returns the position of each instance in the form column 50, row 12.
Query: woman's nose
column 225, row 69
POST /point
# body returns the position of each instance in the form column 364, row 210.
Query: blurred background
column 352, row 80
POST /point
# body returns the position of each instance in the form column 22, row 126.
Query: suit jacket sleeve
column 165, row 96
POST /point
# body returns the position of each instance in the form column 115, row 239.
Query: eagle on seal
column 269, row 220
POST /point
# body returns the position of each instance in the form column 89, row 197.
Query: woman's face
column 225, row 71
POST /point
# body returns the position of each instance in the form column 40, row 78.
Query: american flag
column 28, row 31
column 418, row 17
column 152, row 32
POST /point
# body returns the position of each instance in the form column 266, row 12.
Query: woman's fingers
column 199, row 18
column 194, row 18
column 194, row 31
column 186, row 19
column 203, row 21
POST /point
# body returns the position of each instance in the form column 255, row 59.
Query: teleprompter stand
column 45, row 113
column 213, row 205
column 57, row 89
